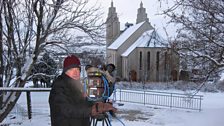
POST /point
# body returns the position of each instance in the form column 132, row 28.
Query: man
column 68, row 106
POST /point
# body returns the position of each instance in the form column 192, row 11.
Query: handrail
column 151, row 91
column 166, row 99
column 20, row 89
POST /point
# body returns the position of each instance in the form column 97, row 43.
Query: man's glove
column 100, row 107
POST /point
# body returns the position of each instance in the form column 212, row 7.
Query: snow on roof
column 149, row 38
column 124, row 36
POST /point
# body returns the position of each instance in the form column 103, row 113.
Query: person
column 68, row 104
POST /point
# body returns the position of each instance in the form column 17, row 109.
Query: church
column 139, row 52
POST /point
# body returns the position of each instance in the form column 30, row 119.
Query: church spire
column 112, row 3
column 112, row 25
column 142, row 15
column 141, row 5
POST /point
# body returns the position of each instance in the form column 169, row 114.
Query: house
column 139, row 52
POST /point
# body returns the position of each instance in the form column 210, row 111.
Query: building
column 139, row 52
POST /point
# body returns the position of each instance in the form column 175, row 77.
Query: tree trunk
column 1, row 59
column 10, row 106
column 40, row 22
column 11, row 100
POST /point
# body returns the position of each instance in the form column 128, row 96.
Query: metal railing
column 171, row 100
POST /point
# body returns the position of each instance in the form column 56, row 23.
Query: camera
column 99, row 83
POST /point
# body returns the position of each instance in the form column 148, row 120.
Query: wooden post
column 28, row 97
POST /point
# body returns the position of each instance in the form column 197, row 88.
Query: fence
column 25, row 107
column 172, row 100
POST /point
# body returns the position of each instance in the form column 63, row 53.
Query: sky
column 127, row 12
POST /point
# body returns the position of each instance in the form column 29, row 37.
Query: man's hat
column 71, row 62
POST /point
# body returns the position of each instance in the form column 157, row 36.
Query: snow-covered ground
column 135, row 114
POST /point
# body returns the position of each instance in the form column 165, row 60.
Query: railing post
column 171, row 99
column 1, row 99
column 29, row 104
column 120, row 94
column 144, row 97
column 200, row 104
column 1, row 92
column 115, row 95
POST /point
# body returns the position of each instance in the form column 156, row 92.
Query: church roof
column 148, row 39
column 124, row 36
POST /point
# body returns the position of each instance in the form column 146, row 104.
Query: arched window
column 148, row 61
column 140, row 61
column 157, row 61
column 165, row 61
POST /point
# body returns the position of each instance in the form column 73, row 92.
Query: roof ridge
column 124, row 36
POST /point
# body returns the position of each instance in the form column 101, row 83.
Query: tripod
column 102, row 117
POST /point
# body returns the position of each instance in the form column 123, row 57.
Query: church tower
column 142, row 15
column 112, row 25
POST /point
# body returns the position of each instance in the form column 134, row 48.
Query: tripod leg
column 93, row 121
column 96, row 122
column 107, row 121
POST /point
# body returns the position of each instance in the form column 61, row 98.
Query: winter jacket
column 68, row 107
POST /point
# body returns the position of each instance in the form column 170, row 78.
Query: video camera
column 99, row 83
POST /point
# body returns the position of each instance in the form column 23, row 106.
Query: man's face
column 74, row 73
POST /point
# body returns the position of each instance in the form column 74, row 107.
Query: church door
column 133, row 75
column 174, row 75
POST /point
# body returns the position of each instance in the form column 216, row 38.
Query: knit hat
column 71, row 62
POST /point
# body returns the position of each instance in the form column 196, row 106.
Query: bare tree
column 200, row 33
column 1, row 59
column 29, row 26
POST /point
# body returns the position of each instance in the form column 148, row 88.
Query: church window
column 157, row 61
column 140, row 61
column 148, row 61
column 165, row 61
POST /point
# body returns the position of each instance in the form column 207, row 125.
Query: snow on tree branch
column 201, row 32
